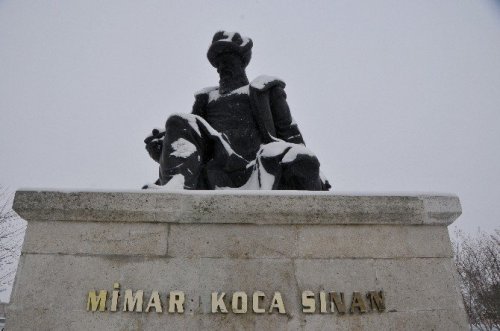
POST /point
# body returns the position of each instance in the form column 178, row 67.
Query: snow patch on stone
column 259, row 180
column 252, row 182
column 183, row 148
column 174, row 184
column 238, row 192
column 206, row 90
column 229, row 38
column 297, row 149
column 215, row 94
column 261, row 81
column 274, row 149
column 266, row 179
column 246, row 40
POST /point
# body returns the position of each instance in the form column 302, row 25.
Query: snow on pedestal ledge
column 263, row 207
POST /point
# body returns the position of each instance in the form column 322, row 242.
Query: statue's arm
column 201, row 101
column 285, row 126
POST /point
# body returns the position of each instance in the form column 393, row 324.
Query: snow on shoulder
column 206, row 90
column 214, row 94
column 263, row 80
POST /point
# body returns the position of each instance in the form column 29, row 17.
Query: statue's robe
column 243, row 139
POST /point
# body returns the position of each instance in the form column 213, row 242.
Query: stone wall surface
column 207, row 242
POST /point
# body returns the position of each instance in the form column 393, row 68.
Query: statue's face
column 229, row 65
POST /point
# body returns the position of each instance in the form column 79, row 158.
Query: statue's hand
column 154, row 144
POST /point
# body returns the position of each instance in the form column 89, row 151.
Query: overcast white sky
column 391, row 95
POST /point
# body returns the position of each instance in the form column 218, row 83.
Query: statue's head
column 229, row 48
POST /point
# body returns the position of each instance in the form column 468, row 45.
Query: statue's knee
column 311, row 160
column 301, row 157
column 175, row 121
column 300, row 152
column 275, row 149
column 180, row 121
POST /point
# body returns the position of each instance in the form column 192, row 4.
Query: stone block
column 232, row 240
column 372, row 241
column 240, row 207
column 203, row 242
column 116, row 238
column 410, row 284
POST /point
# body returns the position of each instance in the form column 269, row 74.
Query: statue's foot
column 174, row 183
column 151, row 187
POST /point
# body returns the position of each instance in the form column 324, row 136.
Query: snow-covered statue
column 239, row 135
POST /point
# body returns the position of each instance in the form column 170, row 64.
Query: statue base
column 239, row 260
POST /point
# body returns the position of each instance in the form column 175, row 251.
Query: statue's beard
column 231, row 79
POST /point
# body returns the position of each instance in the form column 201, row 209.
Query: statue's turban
column 230, row 42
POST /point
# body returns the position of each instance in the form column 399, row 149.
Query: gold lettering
column 218, row 303
column 154, row 302
column 322, row 302
column 255, row 302
column 308, row 302
column 114, row 296
column 95, row 301
column 337, row 301
column 277, row 303
column 358, row 302
column 131, row 301
column 176, row 302
column 237, row 298
column 377, row 300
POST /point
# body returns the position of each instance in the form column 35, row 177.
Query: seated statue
column 239, row 135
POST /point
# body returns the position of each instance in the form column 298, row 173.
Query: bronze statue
column 239, row 135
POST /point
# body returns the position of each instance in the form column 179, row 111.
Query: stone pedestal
column 204, row 242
